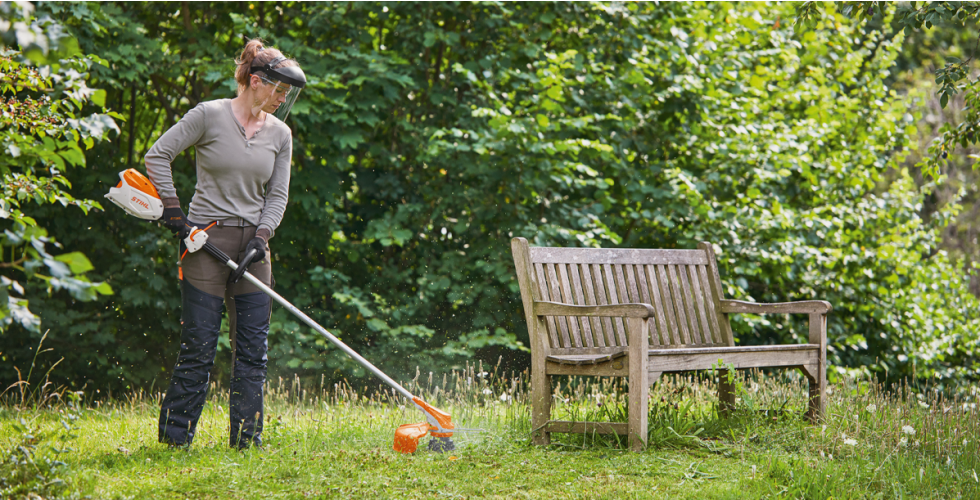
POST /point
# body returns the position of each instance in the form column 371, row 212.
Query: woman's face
column 268, row 96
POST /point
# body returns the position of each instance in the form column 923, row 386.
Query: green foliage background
column 430, row 134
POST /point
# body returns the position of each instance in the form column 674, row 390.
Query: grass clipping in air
column 335, row 442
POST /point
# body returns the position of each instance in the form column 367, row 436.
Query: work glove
column 254, row 252
column 175, row 220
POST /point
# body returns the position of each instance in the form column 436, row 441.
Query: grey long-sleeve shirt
column 236, row 176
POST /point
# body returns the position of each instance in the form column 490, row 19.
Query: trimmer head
column 441, row 444
column 407, row 439
column 440, row 424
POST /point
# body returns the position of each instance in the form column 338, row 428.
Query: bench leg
column 817, row 379
column 726, row 394
column 540, row 406
column 639, row 383
column 817, row 373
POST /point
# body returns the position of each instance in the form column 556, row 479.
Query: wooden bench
column 638, row 314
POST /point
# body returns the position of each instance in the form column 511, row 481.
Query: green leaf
column 104, row 289
column 72, row 156
column 77, row 261
column 98, row 97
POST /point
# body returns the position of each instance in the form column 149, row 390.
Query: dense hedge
column 431, row 134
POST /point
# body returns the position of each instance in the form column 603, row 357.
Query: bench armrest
column 545, row 308
column 801, row 307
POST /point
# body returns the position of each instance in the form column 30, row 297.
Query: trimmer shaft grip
column 216, row 252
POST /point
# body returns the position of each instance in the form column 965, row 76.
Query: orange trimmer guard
column 407, row 437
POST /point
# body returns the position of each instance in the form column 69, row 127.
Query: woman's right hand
column 173, row 218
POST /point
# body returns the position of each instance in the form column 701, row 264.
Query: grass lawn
column 334, row 442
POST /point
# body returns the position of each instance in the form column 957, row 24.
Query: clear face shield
column 286, row 83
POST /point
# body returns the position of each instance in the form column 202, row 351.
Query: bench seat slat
column 578, row 358
column 733, row 349
column 585, row 359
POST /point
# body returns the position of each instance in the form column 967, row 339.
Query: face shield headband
column 288, row 82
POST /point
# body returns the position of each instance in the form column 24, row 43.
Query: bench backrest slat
column 681, row 285
column 609, row 332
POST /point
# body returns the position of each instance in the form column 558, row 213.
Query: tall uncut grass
column 873, row 443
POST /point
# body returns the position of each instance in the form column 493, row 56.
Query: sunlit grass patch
column 334, row 440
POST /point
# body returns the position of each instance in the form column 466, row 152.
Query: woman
column 243, row 153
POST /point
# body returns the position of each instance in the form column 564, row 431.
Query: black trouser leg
column 252, row 327
column 200, row 324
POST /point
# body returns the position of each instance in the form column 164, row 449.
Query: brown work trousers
column 208, row 275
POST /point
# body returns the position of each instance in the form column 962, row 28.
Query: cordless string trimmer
column 137, row 196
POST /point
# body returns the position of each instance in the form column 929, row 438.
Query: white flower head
column 487, row 391
column 851, row 442
column 923, row 404
column 903, row 442
column 505, row 397
column 872, row 408
column 908, row 429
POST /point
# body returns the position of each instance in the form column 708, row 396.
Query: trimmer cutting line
column 137, row 196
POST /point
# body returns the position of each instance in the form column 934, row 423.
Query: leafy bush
column 43, row 133
column 426, row 138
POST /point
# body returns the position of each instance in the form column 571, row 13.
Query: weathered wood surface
column 801, row 307
column 553, row 255
column 586, row 359
column 639, row 313
column 587, row 427
column 542, row 308
column 742, row 360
